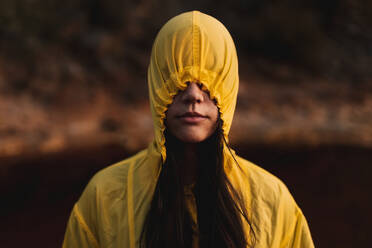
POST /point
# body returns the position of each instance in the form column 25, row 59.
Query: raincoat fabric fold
column 191, row 47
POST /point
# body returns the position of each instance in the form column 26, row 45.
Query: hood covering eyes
column 192, row 47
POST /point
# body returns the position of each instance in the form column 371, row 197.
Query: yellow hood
column 192, row 47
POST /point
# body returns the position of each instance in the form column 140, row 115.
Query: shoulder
column 111, row 181
column 118, row 172
column 275, row 213
column 261, row 182
column 107, row 194
column 266, row 194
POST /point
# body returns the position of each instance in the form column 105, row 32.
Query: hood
column 192, row 47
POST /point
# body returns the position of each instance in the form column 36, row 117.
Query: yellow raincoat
column 191, row 47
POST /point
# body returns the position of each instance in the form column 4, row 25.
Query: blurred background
column 73, row 100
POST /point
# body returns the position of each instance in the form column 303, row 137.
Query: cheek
column 170, row 113
column 214, row 112
column 170, row 120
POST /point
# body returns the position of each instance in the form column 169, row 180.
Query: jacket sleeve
column 300, row 236
column 78, row 233
column 82, row 226
column 295, row 229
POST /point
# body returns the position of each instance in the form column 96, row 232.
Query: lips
column 192, row 117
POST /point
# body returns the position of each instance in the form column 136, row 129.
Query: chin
column 191, row 137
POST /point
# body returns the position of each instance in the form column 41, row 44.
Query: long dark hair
column 220, row 207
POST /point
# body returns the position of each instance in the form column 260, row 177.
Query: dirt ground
column 330, row 183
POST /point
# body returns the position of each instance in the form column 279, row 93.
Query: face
column 192, row 116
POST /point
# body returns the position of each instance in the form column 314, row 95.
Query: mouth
column 192, row 117
column 191, row 114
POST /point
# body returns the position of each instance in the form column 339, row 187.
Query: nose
column 193, row 94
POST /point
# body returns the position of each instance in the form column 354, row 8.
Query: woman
column 188, row 188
